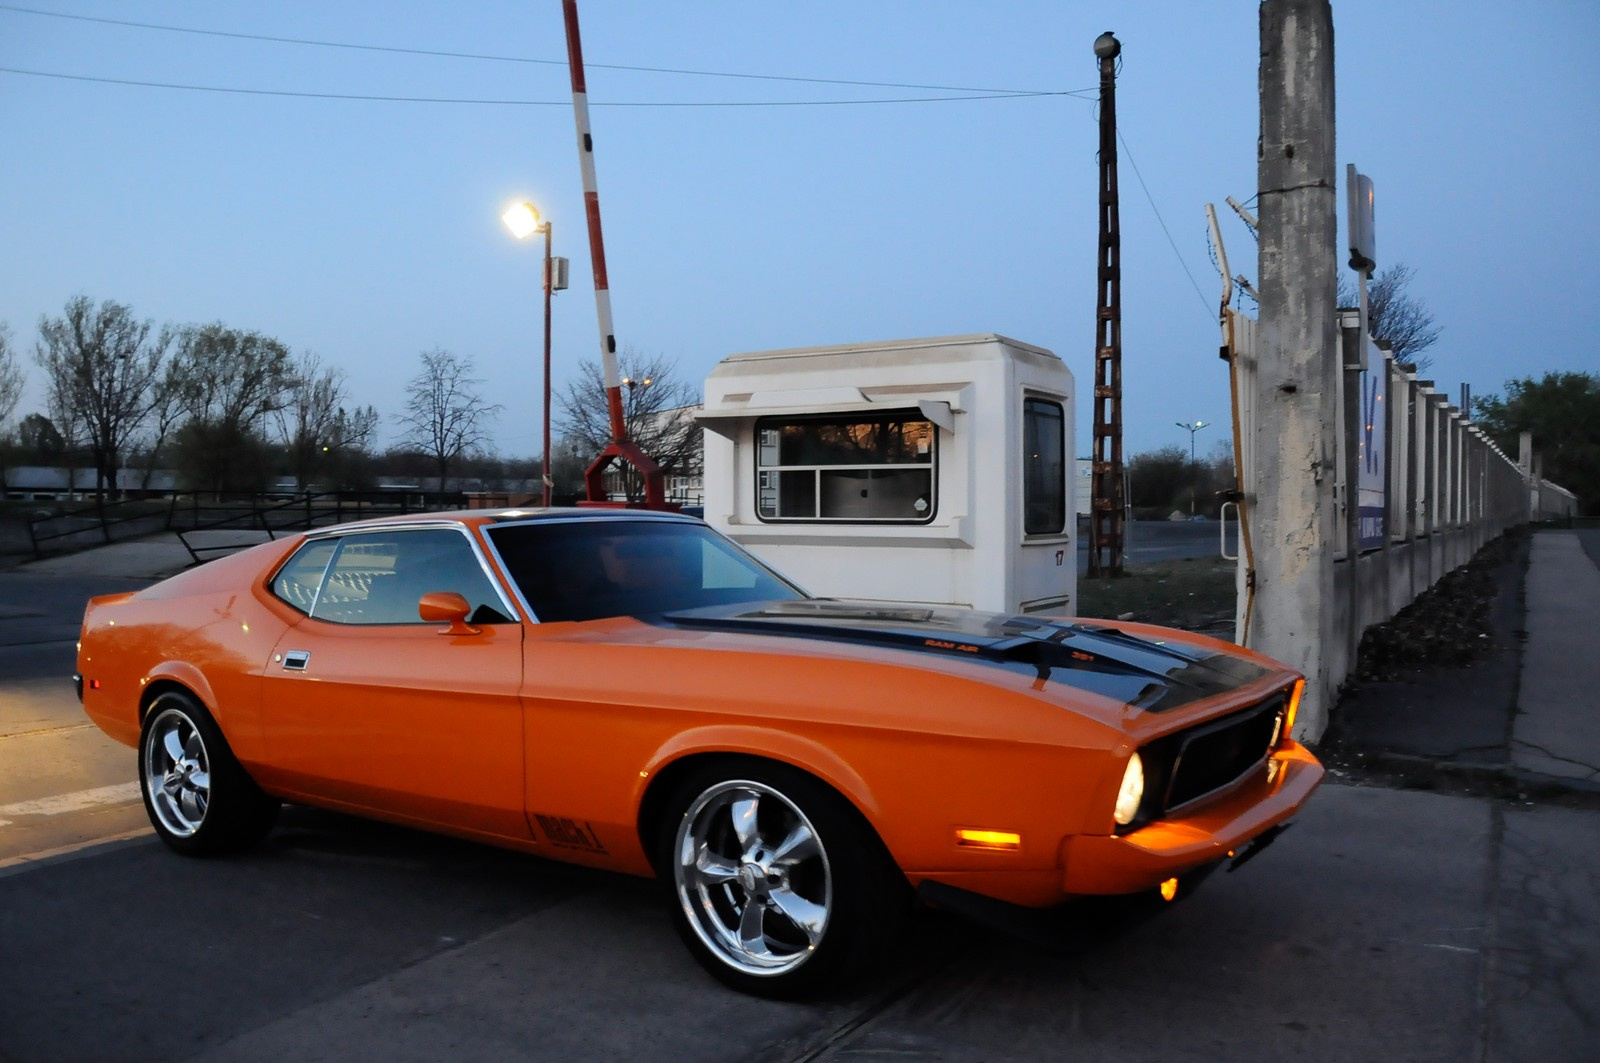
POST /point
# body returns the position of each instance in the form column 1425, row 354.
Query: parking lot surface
column 1388, row 924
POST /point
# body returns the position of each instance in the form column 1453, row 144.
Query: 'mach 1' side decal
column 570, row 834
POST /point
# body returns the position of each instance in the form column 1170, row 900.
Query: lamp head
column 1107, row 46
column 522, row 219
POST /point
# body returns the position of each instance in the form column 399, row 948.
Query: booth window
column 857, row 469
column 1044, row 464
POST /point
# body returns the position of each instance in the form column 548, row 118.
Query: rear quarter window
column 297, row 581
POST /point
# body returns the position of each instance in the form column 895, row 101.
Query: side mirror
column 446, row 607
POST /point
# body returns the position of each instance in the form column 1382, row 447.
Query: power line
column 1162, row 221
column 513, row 103
column 307, row 42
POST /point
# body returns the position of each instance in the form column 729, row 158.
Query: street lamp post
column 523, row 221
column 1192, row 429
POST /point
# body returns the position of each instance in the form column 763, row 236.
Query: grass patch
column 1195, row 594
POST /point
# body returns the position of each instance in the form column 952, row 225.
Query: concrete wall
column 1449, row 490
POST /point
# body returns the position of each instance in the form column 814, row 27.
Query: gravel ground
column 1194, row 595
column 1447, row 626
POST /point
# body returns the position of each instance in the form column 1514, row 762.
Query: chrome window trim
column 620, row 515
column 345, row 531
column 363, row 527
column 322, row 577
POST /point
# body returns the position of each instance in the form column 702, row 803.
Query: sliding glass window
column 862, row 469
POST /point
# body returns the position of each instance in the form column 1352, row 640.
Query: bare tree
column 10, row 377
column 101, row 366
column 568, row 462
column 168, row 410
column 228, row 381
column 350, row 454
column 357, row 429
column 10, row 395
column 309, row 416
column 232, row 377
column 657, row 408
column 445, row 416
column 1394, row 316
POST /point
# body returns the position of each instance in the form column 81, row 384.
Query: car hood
column 1138, row 671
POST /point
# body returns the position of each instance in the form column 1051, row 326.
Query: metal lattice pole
column 1106, row 517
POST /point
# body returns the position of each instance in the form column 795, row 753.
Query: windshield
column 591, row 569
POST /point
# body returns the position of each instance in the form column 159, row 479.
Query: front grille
column 1185, row 767
column 1213, row 756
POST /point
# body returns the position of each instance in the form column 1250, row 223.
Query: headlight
column 1130, row 793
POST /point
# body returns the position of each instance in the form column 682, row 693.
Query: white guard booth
column 932, row 470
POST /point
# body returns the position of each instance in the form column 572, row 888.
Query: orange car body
column 552, row 737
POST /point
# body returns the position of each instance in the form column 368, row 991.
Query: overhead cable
column 514, row 103
column 309, row 42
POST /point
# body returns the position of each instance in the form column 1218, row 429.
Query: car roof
column 481, row 517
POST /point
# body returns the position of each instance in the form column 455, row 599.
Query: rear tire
column 199, row 799
column 779, row 887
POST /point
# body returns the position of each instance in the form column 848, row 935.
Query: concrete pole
column 1296, row 386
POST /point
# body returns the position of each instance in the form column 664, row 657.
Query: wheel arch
column 693, row 751
column 179, row 677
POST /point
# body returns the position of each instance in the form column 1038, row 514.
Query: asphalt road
column 1386, row 925
column 1150, row 541
column 62, row 781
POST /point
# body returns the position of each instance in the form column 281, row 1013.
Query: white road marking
column 73, row 802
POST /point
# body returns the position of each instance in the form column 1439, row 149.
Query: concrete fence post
column 1297, row 382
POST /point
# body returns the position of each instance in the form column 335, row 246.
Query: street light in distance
column 1192, row 428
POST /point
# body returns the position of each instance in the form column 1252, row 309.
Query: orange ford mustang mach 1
column 632, row 691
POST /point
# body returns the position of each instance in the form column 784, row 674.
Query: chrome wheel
column 753, row 878
column 177, row 773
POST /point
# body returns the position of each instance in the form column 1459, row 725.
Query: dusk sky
column 768, row 210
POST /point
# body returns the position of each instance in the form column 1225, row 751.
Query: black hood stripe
column 1098, row 659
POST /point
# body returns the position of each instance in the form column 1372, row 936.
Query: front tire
column 199, row 799
column 779, row 886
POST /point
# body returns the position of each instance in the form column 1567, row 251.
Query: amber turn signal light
column 1294, row 707
column 988, row 839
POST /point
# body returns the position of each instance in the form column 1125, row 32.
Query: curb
column 1414, row 771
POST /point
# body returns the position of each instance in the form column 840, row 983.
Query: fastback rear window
column 591, row 569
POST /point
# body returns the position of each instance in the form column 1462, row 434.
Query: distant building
column 54, row 483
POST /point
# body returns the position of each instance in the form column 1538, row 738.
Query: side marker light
column 1294, row 707
column 988, row 839
column 1169, row 889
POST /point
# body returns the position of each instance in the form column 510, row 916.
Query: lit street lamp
column 523, row 221
column 1192, row 429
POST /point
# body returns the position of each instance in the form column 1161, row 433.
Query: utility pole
column 1299, row 360
column 1105, row 518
